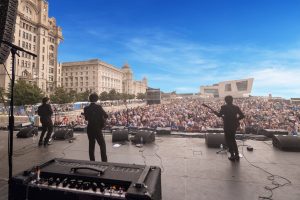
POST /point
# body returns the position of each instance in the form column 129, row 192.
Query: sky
column 180, row 45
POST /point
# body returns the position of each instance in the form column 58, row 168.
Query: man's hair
column 93, row 97
column 45, row 99
column 229, row 100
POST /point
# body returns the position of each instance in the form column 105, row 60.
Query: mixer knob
column 94, row 186
column 79, row 184
column 50, row 181
column 72, row 183
column 57, row 181
column 102, row 187
column 65, row 182
column 86, row 185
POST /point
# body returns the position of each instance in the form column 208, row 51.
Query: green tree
column 83, row 96
column 141, row 96
column 73, row 95
column 112, row 95
column 61, row 96
column 104, row 96
column 26, row 93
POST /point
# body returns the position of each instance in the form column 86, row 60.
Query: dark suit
column 96, row 116
column 45, row 112
column 231, row 115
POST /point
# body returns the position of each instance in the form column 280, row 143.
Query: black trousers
column 95, row 134
column 49, row 128
column 231, row 142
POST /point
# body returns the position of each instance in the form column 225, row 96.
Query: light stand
column 13, row 50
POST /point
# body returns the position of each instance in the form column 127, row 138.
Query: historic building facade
column 97, row 76
column 39, row 34
column 235, row 88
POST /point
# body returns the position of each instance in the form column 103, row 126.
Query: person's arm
column 241, row 114
column 85, row 113
column 103, row 112
column 50, row 109
column 221, row 113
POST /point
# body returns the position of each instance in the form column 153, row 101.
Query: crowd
column 190, row 115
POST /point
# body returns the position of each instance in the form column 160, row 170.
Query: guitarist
column 231, row 115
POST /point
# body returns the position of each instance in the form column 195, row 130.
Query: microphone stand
column 13, row 50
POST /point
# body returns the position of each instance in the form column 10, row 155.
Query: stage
column 190, row 170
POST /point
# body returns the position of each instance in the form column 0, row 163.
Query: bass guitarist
column 231, row 114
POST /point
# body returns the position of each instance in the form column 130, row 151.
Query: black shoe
column 231, row 158
column 40, row 143
column 45, row 144
column 237, row 158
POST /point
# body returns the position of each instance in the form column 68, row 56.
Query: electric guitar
column 216, row 113
column 213, row 110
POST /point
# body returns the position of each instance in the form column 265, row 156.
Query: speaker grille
column 8, row 16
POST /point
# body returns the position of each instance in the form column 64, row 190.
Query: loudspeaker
column 63, row 134
column 80, row 128
column 215, row 130
column 287, row 142
column 214, row 140
column 27, row 132
column 8, row 16
column 163, row 130
column 132, row 130
column 120, row 135
column 143, row 137
column 271, row 132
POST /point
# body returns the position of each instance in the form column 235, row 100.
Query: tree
column 61, row 96
column 112, row 95
column 73, row 95
column 104, row 96
column 26, row 93
column 83, row 96
column 141, row 96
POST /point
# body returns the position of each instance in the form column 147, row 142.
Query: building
column 98, row 76
column 39, row 34
column 235, row 88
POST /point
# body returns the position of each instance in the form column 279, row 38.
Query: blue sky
column 180, row 45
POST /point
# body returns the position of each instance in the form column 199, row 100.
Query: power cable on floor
column 272, row 177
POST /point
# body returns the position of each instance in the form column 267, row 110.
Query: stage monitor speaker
column 80, row 128
column 163, row 130
column 8, row 16
column 215, row 130
column 63, row 134
column 27, row 132
column 120, row 135
column 214, row 140
column 271, row 132
column 287, row 142
column 143, row 137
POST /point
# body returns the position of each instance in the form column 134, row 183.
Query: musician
column 96, row 117
column 231, row 115
column 45, row 112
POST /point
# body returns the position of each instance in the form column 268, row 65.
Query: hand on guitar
column 215, row 112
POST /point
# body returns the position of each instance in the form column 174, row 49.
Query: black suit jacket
column 45, row 112
column 231, row 115
column 95, row 115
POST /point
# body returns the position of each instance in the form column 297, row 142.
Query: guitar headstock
column 203, row 104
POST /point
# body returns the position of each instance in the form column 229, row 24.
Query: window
column 227, row 87
column 242, row 85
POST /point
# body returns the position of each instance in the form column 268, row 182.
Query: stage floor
column 190, row 170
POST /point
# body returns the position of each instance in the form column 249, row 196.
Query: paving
column 190, row 170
